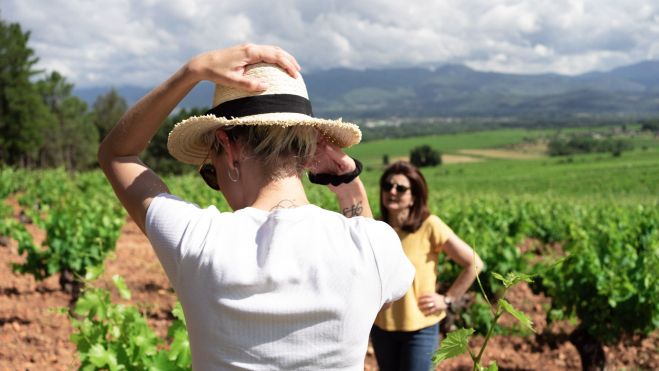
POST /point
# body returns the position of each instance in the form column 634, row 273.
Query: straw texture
column 185, row 141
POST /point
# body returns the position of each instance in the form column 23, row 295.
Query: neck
column 255, row 189
column 398, row 217
column 281, row 193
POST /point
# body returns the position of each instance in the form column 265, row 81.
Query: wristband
column 336, row 180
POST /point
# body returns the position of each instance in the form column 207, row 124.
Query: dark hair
column 419, row 211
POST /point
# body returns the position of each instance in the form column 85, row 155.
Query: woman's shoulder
column 362, row 224
column 433, row 220
column 167, row 208
column 435, row 223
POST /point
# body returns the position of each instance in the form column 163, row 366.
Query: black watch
column 336, row 180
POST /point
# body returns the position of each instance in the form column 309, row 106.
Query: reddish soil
column 35, row 337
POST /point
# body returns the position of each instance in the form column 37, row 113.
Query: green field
column 371, row 152
column 632, row 177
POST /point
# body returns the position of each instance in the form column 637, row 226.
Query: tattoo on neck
column 354, row 210
column 284, row 204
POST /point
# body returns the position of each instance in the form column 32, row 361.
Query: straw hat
column 284, row 103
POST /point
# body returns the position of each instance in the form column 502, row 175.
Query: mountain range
column 458, row 91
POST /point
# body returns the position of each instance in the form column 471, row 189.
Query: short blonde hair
column 282, row 151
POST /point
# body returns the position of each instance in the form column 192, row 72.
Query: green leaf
column 178, row 311
column 179, row 349
column 89, row 304
column 513, row 278
column 161, row 362
column 456, row 343
column 521, row 317
column 498, row 276
column 492, row 367
column 100, row 357
column 115, row 331
column 121, row 286
column 93, row 272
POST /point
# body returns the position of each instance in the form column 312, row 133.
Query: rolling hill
column 458, row 91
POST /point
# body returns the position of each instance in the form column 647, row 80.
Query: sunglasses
column 399, row 188
column 208, row 174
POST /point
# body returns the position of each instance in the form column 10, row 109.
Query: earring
column 235, row 167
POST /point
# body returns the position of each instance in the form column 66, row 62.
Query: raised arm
column 352, row 198
column 134, row 183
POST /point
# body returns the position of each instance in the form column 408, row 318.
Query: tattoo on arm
column 354, row 210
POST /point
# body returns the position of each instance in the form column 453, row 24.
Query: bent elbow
column 102, row 155
column 478, row 264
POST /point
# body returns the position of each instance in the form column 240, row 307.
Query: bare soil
column 502, row 154
column 34, row 336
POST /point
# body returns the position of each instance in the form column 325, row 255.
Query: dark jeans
column 403, row 350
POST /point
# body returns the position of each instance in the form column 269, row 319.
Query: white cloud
column 141, row 42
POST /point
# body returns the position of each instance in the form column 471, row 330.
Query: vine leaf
column 100, row 357
column 513, row 278
column 93, row 272
column 124, row 292
column 521, row 317
column 492, row 367
column 456, row 343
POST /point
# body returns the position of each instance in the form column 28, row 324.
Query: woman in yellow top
column 406, row 333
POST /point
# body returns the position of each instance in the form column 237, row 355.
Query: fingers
column 428, row 305
column 227, row 66
column 243, row 83
column 272, row 54
column 335, row 155
column 330, row 159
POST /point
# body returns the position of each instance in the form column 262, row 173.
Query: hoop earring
column 237, row 177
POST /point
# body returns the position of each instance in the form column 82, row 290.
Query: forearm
column 134, row 184
column 352, row 199
column 465, row 279
column 135, row 129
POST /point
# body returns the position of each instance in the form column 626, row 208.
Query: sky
column 141, row 42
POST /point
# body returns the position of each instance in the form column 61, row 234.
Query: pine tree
column 107, row 110
column 23, row 115
column 73, row 138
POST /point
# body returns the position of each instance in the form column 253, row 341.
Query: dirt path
column 36, row 337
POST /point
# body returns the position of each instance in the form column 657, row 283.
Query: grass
column 631, row 178
column 370, row 153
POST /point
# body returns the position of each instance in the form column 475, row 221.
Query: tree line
column 586, row 143
column 44, row 125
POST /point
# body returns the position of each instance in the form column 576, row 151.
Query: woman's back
column 289, row 289
column 261, row 289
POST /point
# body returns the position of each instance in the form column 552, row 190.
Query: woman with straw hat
column 278, row 283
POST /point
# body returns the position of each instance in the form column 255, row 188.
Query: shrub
column 425, row 156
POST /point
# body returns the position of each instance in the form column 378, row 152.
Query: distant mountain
column 458, row 91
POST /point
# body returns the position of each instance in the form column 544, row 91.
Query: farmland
column 513, row 204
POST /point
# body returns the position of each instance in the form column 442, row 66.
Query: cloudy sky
column 140, row 42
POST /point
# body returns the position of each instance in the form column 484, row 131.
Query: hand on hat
column 330, row 159
column 227, row 66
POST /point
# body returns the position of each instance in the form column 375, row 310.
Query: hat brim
column 186, row 144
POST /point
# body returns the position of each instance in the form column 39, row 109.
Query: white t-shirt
column 291, row 289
